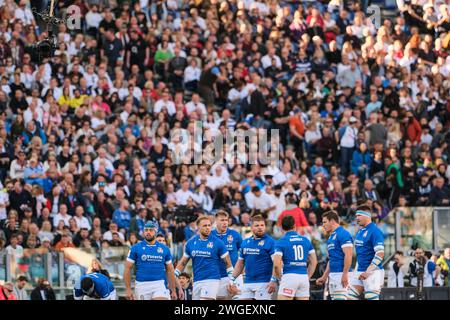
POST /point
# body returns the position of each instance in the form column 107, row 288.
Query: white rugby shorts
column 294, row 285
column 205, row 289
column 334, row 282
column 149, row 290
column 373, row 283
column 257, row 291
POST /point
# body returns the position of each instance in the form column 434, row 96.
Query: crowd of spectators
column 85, row 136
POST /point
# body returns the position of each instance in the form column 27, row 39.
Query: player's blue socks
column 372, row 295
column 352, row 294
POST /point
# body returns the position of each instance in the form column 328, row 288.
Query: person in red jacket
column 6, row 292
column 299, row 216
column 413, row 128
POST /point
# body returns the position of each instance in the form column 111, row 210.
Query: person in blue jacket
column 361, row 161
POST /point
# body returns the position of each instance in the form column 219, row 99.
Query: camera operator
column 416, row 266
column 186, row 213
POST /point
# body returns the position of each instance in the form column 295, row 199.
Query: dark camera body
column 185, row 214
column 43, row 49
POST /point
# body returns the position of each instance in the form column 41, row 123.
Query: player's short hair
column 201, row 219
column 86, row 284
column 288, row 223
column 222, row 213
column 258, row 218
column 331, row 215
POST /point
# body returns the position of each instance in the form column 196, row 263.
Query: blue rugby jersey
column 102, row 285
column 294, row 250
column 368, row 241
column 206, row 257
column 150, row 260
column 340, row 238
column 232, row 240
column 257, row 255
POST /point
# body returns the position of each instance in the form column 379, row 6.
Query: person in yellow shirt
column 444, row 263
column 77, row 100
column 65, row 97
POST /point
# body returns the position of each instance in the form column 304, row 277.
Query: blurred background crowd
column 85, row 136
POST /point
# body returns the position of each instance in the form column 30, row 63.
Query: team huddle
column 258, row 268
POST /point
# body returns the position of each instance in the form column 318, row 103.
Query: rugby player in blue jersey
column 232, row 240
column 153, row 263
column 294, row 262
column 255, row 255
column 369, row 246
column 340, row 254
column 94, row 286
column 207, row 253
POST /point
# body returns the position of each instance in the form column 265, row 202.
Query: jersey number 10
column 298, row 252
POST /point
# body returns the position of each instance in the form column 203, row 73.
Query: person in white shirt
column 4, row 202
column 82, row 222
column 266, row 61
column 33, row 112
column 57, row 91
column 26, row 77
column 102, row 159
column 62, row 215
column 18, row 165
column 14, row 249
column 262, row 202
column 91, row 77
column 113, row 228
column 218, row 179
column 279, row 196
column 195, row 104
column 348, row 136
column 192, row 75
column 184, row 194
column 198, row 19
column 24, row 14
column 164, row 102
column 93, row 18
column 395, row 272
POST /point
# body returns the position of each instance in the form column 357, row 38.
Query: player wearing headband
column 153, row 263
column 369, row 245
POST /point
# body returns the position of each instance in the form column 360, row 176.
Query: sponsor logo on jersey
column 149, row 257
column 210, row 245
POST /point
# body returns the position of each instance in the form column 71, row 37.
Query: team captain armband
column 377, row 260
column 177, row 273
